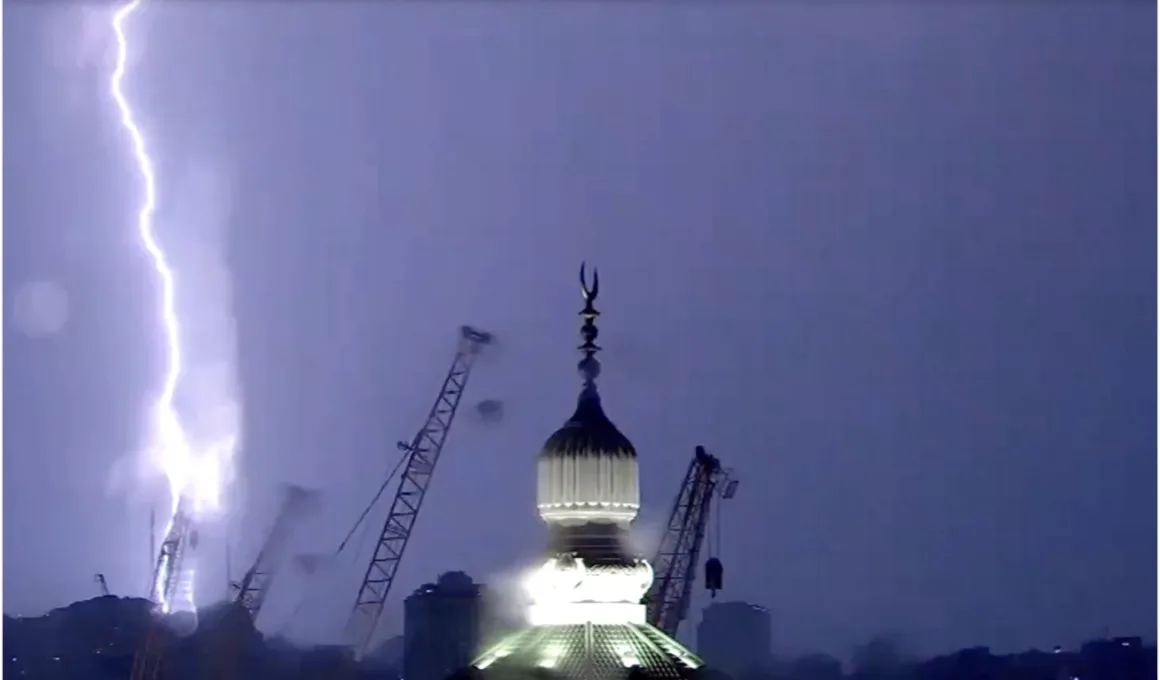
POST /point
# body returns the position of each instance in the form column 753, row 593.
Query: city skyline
column 894, row 267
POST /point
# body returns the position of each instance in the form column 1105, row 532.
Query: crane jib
column 422, row 456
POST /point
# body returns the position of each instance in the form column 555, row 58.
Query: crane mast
column 675, row 564
column 422, row 454
column 169, row 575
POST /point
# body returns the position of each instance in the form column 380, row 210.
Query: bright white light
column 571, row 513
column 553, row 581
column 579, row 613
column 551, row 656
column 561, row 581
column 628, row 656
column 194, row 473
column 495, row 655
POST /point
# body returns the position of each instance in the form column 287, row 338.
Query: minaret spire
column 589, row 366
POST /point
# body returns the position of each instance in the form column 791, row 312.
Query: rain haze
column 893, row 263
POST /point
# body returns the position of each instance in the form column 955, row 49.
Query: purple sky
column 893, row 263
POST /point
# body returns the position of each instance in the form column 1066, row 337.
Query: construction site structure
column 235, row 627
column 676, row 560
column 250, row 592
column 422, row 455
column 170, row 585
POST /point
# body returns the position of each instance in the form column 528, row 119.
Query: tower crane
column 422, row 454
column 675, row 564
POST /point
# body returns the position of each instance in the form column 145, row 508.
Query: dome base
column 592, row 542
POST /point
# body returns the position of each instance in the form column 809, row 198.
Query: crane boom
column 422, row 456
column 249, row 594
column 255, row 584
column 169, row 577
column 675, row 564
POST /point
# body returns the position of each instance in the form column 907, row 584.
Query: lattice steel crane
column 170, row 580
column 675, row 564
column 422, row 454
column 251, row 591
column 235, row 627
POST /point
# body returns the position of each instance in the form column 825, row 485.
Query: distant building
column 735, row 637
column 442, row 627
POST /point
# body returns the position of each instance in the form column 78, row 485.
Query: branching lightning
column 193, row 479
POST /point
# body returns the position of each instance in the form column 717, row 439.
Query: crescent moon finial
column 589, row 366
column 589, row 292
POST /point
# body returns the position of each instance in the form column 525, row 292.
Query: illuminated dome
column 587, row 470
column 586, row 620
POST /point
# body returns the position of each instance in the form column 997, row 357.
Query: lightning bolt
column 172, row 442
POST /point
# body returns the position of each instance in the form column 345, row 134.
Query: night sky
column 893, row 263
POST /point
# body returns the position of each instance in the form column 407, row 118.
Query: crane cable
column 714, row 538
column 716, row 549
column 342, row 546
column 367, row 510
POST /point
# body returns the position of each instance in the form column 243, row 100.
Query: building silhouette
column 735, row 637
column 442, row 627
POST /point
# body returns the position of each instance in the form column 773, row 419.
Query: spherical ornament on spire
column 589, row 368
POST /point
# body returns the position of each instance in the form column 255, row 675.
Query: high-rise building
column 586, row 619
column 735, row 637
column 441, row 627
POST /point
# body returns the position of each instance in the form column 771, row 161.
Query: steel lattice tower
column 676, row 561
column 422, row 456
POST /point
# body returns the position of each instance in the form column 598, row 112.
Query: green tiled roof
column 589, row 652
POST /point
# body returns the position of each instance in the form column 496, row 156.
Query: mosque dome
column 587, row 619
column 587, row 470
column 588, row 432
